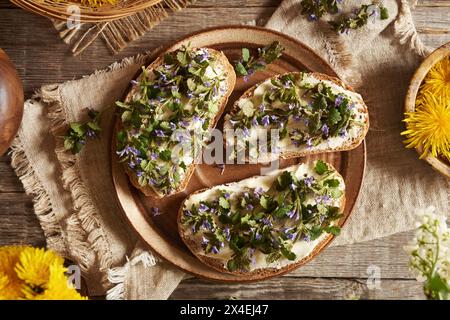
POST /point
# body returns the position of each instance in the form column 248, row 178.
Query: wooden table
column 338, row 273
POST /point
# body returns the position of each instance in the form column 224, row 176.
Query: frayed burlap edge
column 85, row 208
column 119, row 33
column 55, row 236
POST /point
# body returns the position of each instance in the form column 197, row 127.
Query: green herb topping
column 297, row 206
column 173, row 104
column 249, row 64
column 360, row 18
column 79, row 132
column 305, row 112
column 316, row 9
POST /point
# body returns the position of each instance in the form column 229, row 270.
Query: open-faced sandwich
column 177, row 98
column 264, row 223
column 313, row 113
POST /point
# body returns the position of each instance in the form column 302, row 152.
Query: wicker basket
column 58, row 9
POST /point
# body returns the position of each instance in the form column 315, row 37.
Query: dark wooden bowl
column 11, row 101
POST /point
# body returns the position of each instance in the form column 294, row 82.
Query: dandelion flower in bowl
column 428, row 127
column 437, row 80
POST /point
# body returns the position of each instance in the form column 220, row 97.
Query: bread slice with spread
column 167, row 116
column 265, row 223
column 310, row 112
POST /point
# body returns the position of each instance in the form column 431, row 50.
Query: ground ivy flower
column 155, row 211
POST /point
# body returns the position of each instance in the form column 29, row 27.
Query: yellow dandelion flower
column 10, row 283
column 428, row 127
column 437, row 80
column 58, row 287
column 34, row 266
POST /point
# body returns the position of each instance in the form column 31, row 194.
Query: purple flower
column 250, row 206
column 343, row 133
column 258, row 236
column 291, row 214
column 325, row 130
column 267, row 222
column 205, row 241
column 292, row 186
column 203, row 207
column 309, row 181
column 226, row 231
column 215, row 250
column 312, row 17
column 188, row 213
column 203, row 56
column 306, row 238
column 198, row 119
column 172, row 126
column 139, row 173
column 258, row 192
column 254, row 122
column 265, row 121
column 297, row 117
column 207, row 84
column 246, row 132
column 226, row 195
column 338, row 101
column 134, row 82
column 262, row 107
column 128, row 150
column 155, row 211
column 184, row 123
column 309, row 143
column 325, row 199
column 207, row 225
column 153, row 156
column 291, row 236
column 160, row 133
column 90, row 133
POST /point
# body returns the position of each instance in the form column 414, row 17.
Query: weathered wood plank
column 8, row 179
column 18, row 224
column 32, row 57
column 292, row 288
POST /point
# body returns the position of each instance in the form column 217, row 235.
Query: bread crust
column 260, row 273
column 230, row 78
column 349, row 145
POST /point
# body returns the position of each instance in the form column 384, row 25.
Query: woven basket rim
column 58, row 10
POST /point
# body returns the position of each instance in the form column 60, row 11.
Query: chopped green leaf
column 321, row 167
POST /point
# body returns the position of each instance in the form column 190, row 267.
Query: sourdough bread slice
column 211, row 237
column 220, row 65
column 323, row 139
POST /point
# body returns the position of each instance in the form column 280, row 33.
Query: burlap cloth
column 74, row 196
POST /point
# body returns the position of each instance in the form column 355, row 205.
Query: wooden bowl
column 61, row 9
column 11, row 101
column 438, row 164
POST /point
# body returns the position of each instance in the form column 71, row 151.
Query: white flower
column 429, row 250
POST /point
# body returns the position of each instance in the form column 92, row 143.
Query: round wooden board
column 161, row 232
